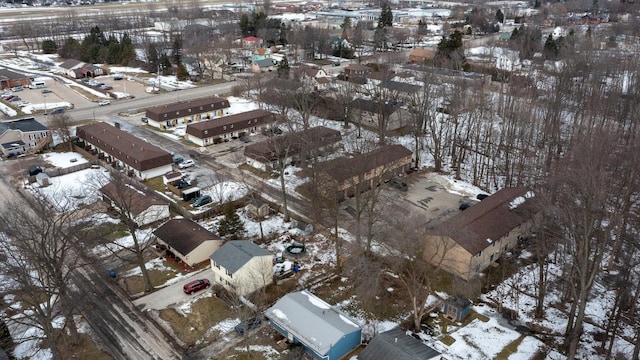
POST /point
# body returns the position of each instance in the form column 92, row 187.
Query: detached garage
column 187, row 240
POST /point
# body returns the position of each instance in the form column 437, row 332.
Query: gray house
column 322, row 330
column 397, row 345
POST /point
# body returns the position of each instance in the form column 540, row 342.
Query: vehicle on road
column 104, row 102
column 186, row 164
column 56, row 111
column 17, row 88
column 196, row 285
column 118, row 77
column 201, row 201
column 249, row 324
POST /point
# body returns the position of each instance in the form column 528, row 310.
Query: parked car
column 144, row 119
column 17, row 88
column 106, row 87
column 196, row 285
column 8, row 98
column 398, row 184
column 464, row 206
column 118, row 77
column 15, row 98
column 23, row 103
column 5, row 94
column 201, row 201
column 177, row 159
column 336, row 63
column 245, row 139
column 104, row 102
column 45, row 91
column 249, row 324
column 181, row 184
column 482, row 196
column 186, row 164
column 57, row 111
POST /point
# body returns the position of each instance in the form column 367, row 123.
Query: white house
column 242, row 266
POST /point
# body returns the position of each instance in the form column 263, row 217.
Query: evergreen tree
column 386, row 16
column 499, row 16
column 283, row 68
column 231, row 225
column 551, row 48
column 49, row 47
column 182, row 73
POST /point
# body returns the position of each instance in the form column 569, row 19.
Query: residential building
column 144, row 207
column 77, row 69
column 23, row 136
column 264, row 65
column 397, row 345
column 187, row 240
column 124, row 150
column 421, row 56
column 185, row 112
column 372, row 112
column 9, row 79
column 356, row 71
column 323, row 331
column 467, row 243
column 345, row 176
column 292, row 147
column 225, row 128
column 242, row 266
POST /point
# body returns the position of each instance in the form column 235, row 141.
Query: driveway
column 173, row 295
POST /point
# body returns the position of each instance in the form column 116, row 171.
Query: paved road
column 172, row 294
column 118, row 324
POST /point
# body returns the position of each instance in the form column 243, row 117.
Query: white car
column 186, row 164
column 104, row 102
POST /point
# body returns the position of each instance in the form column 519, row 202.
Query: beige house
column 242, row 266
column 187, row 240
column 469, row 242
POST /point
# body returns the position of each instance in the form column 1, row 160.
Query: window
column 206, row 132
column 224, row 127
column 229, row 274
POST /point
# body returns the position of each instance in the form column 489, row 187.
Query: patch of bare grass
column 509, row 349
column 135, row 283
column 86, row 349
column 205, row 313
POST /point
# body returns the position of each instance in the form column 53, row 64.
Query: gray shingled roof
column 24, row 125
column 397, row 345
column 234, row 254
column 311, row 320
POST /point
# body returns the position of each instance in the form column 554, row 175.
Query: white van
column 37, row 85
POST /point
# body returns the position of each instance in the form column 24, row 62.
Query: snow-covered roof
column 313, row 321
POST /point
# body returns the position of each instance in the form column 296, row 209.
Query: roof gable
column 341, row 169
column 184, row 235
column 127, row 148
column 131, row 199
column 233, row 255
column 24, row 125
column 397, row 345
column 311, row 320
column 480, row 225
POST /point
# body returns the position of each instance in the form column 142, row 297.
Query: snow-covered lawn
column 64, row 159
